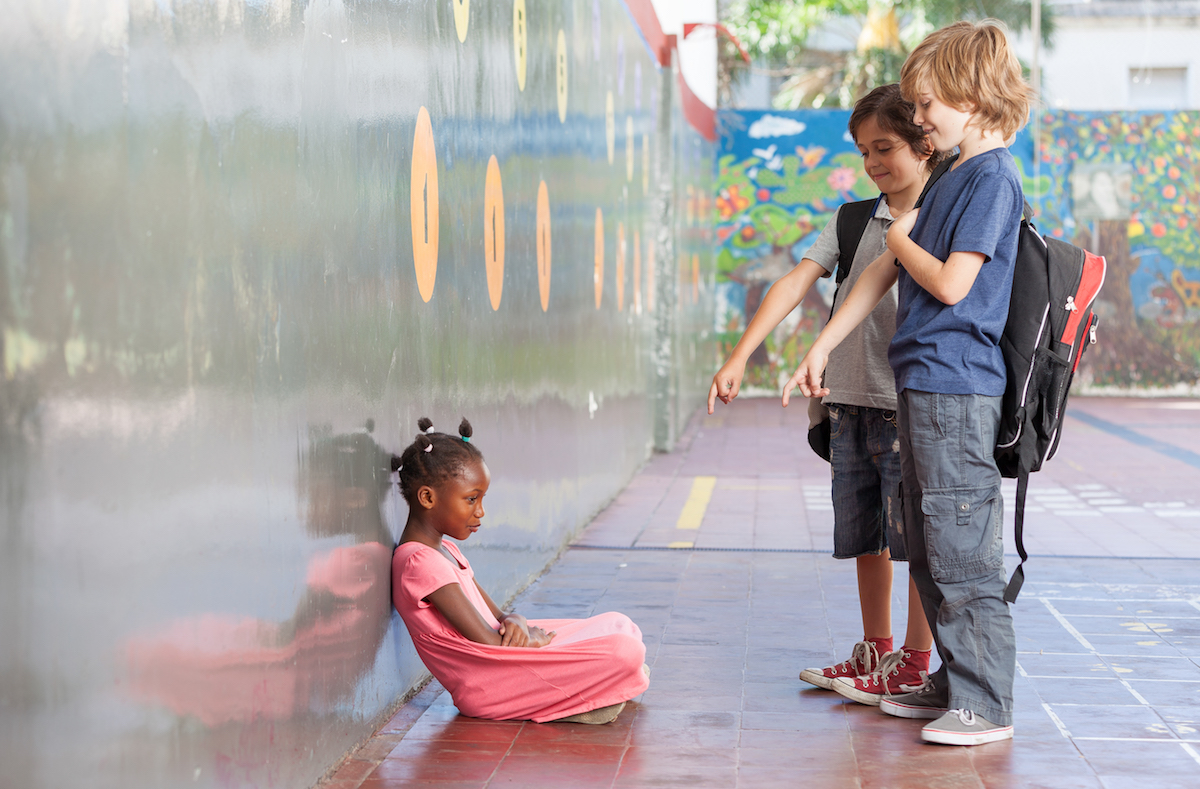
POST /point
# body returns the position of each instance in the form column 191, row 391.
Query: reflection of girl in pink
column 496, row 664
column 222, row 668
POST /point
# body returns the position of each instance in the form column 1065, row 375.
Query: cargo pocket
column 963, row 533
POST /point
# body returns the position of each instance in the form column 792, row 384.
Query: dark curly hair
column 894, row 114
column 433, row 458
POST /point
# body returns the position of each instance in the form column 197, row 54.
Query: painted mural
column 1117, row 183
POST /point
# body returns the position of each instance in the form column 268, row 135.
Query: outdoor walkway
column 719, row 551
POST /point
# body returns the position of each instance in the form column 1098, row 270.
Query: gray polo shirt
column 858, row 372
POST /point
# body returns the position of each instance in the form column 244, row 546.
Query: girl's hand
column 808, row 375
column 900, row 229
column 726, row 384
column 514, row 631
column 539, row 638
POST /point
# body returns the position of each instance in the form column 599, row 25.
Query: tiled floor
column 719, row 551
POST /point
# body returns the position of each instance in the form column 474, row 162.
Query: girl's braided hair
column 433, row 458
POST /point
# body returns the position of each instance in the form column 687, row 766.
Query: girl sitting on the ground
column 496, row 665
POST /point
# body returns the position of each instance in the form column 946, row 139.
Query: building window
column 1158, row 88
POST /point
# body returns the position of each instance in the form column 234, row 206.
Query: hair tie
column 430, row 431
column 429, row 448
column 467, row 439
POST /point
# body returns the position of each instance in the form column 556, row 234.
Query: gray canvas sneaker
column 925, row 703
column 964, row 727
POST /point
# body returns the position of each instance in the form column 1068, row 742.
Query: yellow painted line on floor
column 697, row 503
column 681, row 544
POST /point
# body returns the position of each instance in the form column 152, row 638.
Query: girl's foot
column 602, row 715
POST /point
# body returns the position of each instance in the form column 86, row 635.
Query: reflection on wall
column 1118, row 183
column 223, row 668
column 231, row 234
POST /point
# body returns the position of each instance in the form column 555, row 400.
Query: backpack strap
column 937, row 173
column 852, row 221
column 1013, row 588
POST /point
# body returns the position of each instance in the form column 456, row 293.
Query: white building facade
column 1121, row 55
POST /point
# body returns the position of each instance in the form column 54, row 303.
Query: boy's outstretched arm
column 871, row 286
column 782, row 298
column 948, row 282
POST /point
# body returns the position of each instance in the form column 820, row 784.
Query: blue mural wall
column 1118, row 183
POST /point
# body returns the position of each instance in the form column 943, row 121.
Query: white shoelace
column 890, row 664
column 864, row 653
column 966, row 716
column 925, row 686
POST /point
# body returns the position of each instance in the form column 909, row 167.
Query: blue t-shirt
column 975, row 207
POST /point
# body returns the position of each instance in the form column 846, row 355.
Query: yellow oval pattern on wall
column 423, row 200
column 493, row 232
column 543, row 244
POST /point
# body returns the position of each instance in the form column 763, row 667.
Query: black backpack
column 1050, row 325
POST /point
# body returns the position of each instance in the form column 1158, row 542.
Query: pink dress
column 591, row 663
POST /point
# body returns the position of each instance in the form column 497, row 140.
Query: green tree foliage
column 777, row 34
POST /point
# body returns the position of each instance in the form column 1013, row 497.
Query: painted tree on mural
column 765, row 205
column 1162, row 149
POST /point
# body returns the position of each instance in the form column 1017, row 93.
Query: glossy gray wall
column 214, row 334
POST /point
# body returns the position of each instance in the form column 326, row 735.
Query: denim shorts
column 865, row 459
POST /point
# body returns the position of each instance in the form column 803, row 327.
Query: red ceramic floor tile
column 458, row 731
column 538, row 771
column 786, row 775
column 693, row 767
column 552, row 734
column 452, row 766
column 1049, row 780
column 420, row 783
column 353, row 771
column 580, row 750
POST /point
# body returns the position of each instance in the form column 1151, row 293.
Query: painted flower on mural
column 730, row 201
column 842, row 179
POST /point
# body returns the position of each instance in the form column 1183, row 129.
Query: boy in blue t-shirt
column 954, row 258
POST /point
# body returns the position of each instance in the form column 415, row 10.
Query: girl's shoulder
column 419, row 550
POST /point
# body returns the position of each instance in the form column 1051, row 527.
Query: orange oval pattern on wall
column 637, row 273
column 543, row 244
column 598, row 271
column 493, row 232
column 620, row 266
column 423, row 199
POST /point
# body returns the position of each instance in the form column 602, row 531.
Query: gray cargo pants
column 953, row 525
